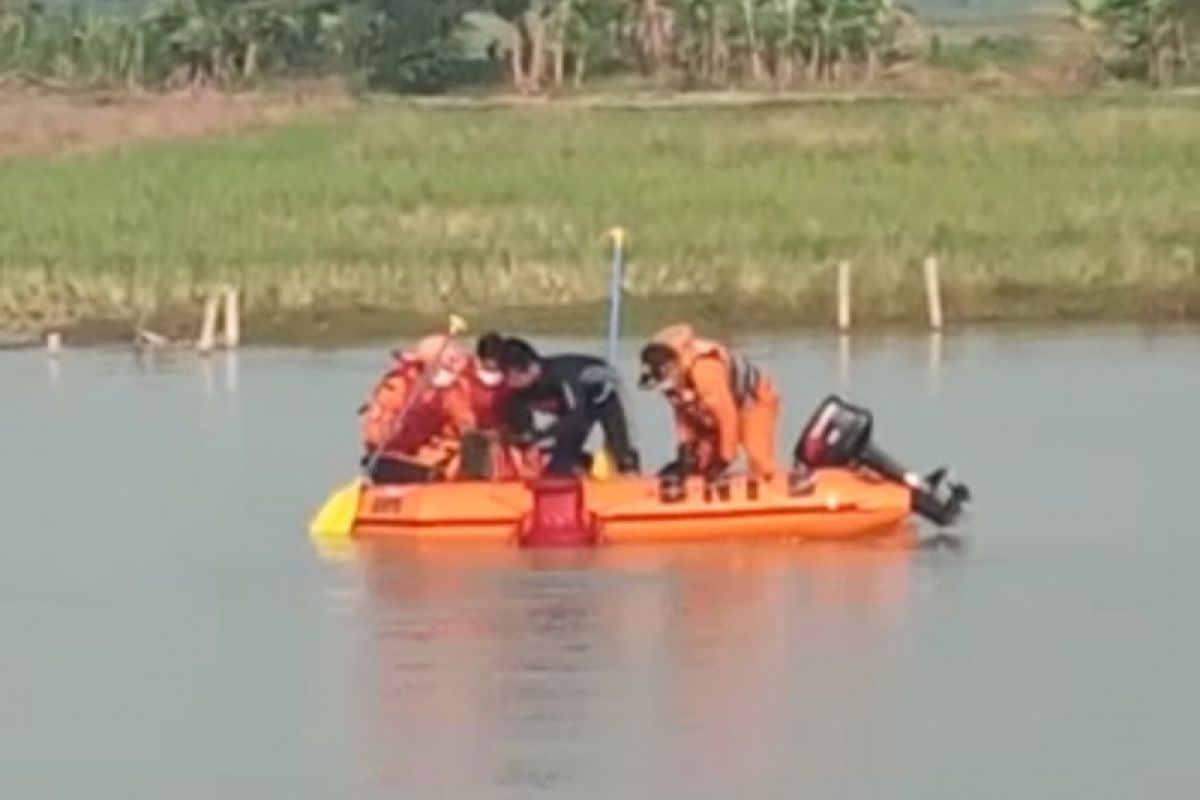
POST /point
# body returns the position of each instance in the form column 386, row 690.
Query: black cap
column 655, row 358
column 489, row 346
column 517, row 354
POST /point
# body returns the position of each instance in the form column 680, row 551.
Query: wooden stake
column 208, row 325
column 933, row 293
column 233, row 325
column 843, row 296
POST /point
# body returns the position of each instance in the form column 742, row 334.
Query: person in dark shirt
column 579, row 391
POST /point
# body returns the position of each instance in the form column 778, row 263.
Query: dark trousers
column 567, row 455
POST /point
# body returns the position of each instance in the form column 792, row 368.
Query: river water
column 167, row 629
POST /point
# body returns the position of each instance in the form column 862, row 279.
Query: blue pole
column 614, row 292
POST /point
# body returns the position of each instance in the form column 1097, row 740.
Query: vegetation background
column 410, row 155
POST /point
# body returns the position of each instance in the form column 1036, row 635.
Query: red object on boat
column 558, row 516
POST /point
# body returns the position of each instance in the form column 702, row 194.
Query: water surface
column 168, row 631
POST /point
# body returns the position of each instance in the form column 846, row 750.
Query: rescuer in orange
column 424, row 446
column 721, row 402
column 486, row 382
column 489, row 452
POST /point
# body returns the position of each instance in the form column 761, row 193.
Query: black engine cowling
column 836, row 435
column 839, row 435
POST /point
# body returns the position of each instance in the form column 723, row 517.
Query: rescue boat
column 842, row 487
column 830, row 504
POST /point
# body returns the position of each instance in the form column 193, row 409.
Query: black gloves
column 716, row 470
column 684, row 463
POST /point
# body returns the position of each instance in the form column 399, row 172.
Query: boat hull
column 840, row 504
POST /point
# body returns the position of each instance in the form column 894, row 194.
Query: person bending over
column 578, row 391
column 426, row 386
column 721, row 403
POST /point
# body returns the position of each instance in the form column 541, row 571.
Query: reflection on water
column 495, row 667
column 845, row 362
column 935, row 363
column 53, row 369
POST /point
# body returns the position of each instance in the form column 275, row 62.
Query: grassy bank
column 1038, row 209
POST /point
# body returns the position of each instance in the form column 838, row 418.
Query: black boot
column 629, row 463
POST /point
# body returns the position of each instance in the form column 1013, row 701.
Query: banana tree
column 261, row 31
column 1152, row 40
column 592, row 34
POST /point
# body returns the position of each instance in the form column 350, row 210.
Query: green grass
column 1037, row 208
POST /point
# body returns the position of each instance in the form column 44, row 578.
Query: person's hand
column 716, row 470
column 684, row 463
column 671, row 468
column 531, row 440
column 520, row 439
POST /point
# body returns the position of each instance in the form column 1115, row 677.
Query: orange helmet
column 679, row 337
column 439, row 350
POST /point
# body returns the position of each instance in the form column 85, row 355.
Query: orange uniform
column 487, row 402
column 487, row 399
column 432, row 426
column 722, row 402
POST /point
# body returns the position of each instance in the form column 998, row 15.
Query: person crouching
column 579, row 391
column 721, row 403
column 417, row 415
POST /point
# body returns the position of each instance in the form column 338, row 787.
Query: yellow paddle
column 335, row 519
column 602, row 465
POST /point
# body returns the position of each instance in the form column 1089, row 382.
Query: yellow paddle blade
column 335, row 551
column 458, row 325
column 335, row 519
column 602, row 466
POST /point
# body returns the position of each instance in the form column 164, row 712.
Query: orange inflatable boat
column 834, row 504
column 841, row 487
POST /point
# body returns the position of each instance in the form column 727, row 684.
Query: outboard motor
column 839, row 435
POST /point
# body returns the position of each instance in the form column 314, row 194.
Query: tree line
column 533, row 45
column 1157, row 41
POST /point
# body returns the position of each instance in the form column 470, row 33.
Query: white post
column 843, row 296
column 208, row 325
column 933, row 293
column 54, row 344
column 233, row 326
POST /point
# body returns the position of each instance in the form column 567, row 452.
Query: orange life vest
column 432, row 425
column 718, row 385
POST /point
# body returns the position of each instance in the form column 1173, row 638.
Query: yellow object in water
column 335, row 519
